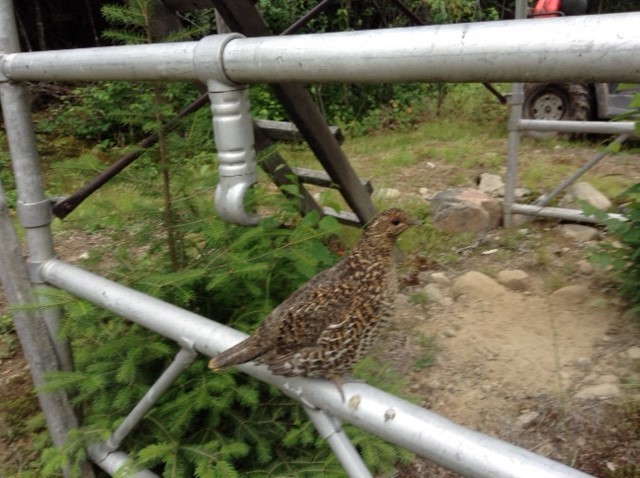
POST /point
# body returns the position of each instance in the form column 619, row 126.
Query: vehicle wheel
column 557, row 101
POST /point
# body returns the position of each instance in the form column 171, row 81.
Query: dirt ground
column 557, row 374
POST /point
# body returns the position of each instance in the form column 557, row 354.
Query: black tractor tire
column 557, row 101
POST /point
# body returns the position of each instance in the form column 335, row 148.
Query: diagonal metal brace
column 182, row 360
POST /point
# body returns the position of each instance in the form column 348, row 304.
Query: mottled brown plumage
column 331, row 321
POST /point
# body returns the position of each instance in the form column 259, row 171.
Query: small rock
column 526, row 419
column 440, row 278
column 423, row 191
column 583, row 363
column 579, row 232
column 491, row 184
column 571, row 295
column 514, row 279
column 633, row 353
column 424, row 276
column 433, row 292
column 477, row 284
column 600, row 391
column 584, row 191
column 520, row 193
column 402, row 300
column 449, row 333
column 386, row 193
column 447, row 302
column 609, row 378
column 585, row 267
column 465, row 210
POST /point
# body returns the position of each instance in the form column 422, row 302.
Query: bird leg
column 340, row 380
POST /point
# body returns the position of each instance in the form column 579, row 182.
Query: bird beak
column 416, row 222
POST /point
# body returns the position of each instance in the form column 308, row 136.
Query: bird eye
column 395, row 221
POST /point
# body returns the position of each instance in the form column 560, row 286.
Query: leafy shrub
column 622, row 256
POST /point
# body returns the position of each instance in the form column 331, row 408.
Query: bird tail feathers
column 240, row 353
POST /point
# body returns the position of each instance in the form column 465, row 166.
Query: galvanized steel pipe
column 416, row 429
column 112, row 462
column 563, row 214
column 595, row 48
column 602, row 127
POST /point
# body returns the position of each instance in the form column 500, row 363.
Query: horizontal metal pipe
column 593, row 48
column 111, row 462
column 578, row 126
column 160, row 61
column 596, row 48
column 465, row 451
column 559, row 213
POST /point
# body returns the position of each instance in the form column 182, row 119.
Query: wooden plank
column 280, row 172
column 243, row 17
column 287, row 131
column 322, row 179
column 344, row 217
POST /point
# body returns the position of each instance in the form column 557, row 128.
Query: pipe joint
column 3, row 77
column 34, row 214
column 207, row 58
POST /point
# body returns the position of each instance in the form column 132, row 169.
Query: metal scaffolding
column 598, row 48
column 517, row 124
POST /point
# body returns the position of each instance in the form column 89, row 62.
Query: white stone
column 600, row 391
column 609, row 378
column 440, row 278
column 527, row 418
column 633, row 353
column 571, row 295
column 520, row 193
column 583, row 363
column 579, row 232
column 584, row 191
column 465, row 210
column 433, row 293
column 477, row 284
column 585, row 267
column 515, row 279
column 491, row 184
column 449, row 333
column 447, row 302
column 386, row 193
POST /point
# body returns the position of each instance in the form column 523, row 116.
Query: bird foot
column 340, row 380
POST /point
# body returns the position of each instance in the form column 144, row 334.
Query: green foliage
column 207, row 424
column 622, row 256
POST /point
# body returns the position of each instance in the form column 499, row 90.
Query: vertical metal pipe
column 37, row 343
column 34, row 210
column 516, row 101
column 330, row 429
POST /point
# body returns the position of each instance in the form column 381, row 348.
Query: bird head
column 389, row 224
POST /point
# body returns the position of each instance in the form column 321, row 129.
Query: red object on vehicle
column 547, row 8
